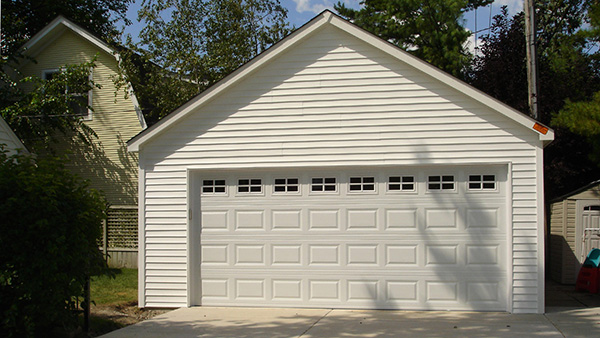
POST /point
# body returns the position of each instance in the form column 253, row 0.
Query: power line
column 477, row 31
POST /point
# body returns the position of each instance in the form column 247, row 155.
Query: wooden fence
column 120, row 239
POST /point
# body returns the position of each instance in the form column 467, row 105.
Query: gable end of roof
column 545, row 134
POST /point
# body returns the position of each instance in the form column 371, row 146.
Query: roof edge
column 575, row 192
column 318, row 21
column 61, row 20
column 12, row 135
column 545, row 134
column 56, row 24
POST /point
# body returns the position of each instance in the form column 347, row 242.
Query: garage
column 400, row 238
column 574, row 231
column 335, row 170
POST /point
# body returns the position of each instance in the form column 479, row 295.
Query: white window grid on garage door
column 356, row 249
column 353, row 184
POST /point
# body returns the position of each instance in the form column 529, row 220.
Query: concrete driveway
column 261, row 322
column 568, row 314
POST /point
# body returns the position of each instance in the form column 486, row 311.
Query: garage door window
column 401, row 183
column 362, row 184
column 441, row 183
column 286, row 185
column 213, row 187
column 249, row 186
column 482, row 182
column 323, row 184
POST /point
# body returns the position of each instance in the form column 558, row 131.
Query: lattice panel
column 122, row 225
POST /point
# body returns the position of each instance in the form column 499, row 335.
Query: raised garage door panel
column 376, row 248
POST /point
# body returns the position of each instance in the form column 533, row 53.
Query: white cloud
column 514, row 6
column 474, row 48
column 310, row 6
column 317, row 6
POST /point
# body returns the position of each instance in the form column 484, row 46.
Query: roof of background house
column 55, row 29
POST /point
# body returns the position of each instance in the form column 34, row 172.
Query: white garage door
column 398, row 238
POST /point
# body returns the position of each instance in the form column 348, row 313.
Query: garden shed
column 336, row 170
column 574, row 231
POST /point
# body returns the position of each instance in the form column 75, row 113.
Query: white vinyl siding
column 335, row 101
column 9, row 139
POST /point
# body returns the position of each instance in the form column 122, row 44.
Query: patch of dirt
column 107, row 318
column 124, row 314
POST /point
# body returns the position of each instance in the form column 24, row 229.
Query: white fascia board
column 320, row 20
column 133, row 97
column 13, row 137
column 436, row 73
column 55, row 24
column 54, row 27
column 136, row 106
column 134, row 144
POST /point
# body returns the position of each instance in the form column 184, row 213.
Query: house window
column 323, row 184
column 439, row 183
column 213, row 187
column 286, row 185
column 249, row 185
column 79, row 102
column 401, row 183
column 482, row 182
column 592, row 208
column 361, row 184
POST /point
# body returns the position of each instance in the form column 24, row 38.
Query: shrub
column 49, row 229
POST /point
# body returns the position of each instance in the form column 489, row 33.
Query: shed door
column 387, row 238
column 591, row 228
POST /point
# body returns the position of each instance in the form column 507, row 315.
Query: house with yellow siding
column 114, row 117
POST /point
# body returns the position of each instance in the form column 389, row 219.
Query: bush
column 49, row 231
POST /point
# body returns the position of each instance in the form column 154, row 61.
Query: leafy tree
column 581, row 115
column 38, row 109
column 42, row 110
column 566, row 71
column 51, row 224
column 51, row 221
column 583, row 118
column 501, row 70
column 21, row 19
column 187, row 45
column 431, row 30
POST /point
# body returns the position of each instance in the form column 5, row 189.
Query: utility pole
column 530, row 37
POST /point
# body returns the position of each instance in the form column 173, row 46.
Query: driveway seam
column 315, row 323
column 555, row 326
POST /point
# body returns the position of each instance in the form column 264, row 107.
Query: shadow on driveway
column 573, row 313
column 569, row 314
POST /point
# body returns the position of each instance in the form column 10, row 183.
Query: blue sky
column 301, row 11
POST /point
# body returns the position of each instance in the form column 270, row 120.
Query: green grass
column 122, row 288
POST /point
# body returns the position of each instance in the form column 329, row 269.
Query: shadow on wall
column 486, row 287
column 112, row 171
column 563, row 263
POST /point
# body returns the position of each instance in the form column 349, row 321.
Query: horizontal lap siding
column 7, row 138
column 570, row 260
column 334, row 101
column 165, row 211
column 557, row 241
column 111, row 169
